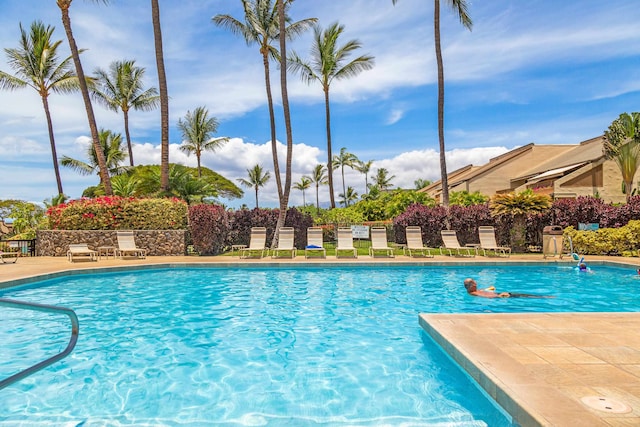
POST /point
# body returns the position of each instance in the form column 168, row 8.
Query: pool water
column 269, row 346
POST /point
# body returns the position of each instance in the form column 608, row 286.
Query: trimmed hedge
column 119, row 213
column 623, row 240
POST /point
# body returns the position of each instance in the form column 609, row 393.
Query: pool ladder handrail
column 75, row 329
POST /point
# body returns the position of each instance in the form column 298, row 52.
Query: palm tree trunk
column 317, row 198
column 344, row 189
column 272, row 123
column 256, row 197
column 284, row 200
column 199, row 167
column 443, row 162
column 164, row 98
column 329, row 153
column 126, row 133
column 54, row 155
column 102, row 164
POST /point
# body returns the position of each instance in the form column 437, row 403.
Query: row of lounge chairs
column 414, row 247
column 126, row 247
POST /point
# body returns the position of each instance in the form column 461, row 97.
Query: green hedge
column 623, row 240
column 119, row 213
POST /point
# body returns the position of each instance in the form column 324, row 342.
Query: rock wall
column 156, row 242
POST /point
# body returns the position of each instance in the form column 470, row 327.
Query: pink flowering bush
column 119, row 213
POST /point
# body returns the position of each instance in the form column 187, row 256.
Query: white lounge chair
column 81, row 250
column 127, row 245
column 414, row 242
column 314, row 242
column 4, row 256
column 487, row 236
column 379, row 242
column 345, row 242
column 451, row 244
column 257, row 244
column 285, row 243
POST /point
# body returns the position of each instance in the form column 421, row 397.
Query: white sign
column 360, row 231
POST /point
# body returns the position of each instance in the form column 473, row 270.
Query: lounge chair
column 257, row 244
column 451, row 244
column 127, row 245
column 488, row 242
column 345, row 242
column 285, row 243
column 314, row 242
column 414, row 242
column 4, row 256
column 81, row 250
column 379, row 242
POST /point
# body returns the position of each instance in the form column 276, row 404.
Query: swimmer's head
column 582, row 266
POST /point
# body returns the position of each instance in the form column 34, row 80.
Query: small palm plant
column 518, row 206
column 258, row 177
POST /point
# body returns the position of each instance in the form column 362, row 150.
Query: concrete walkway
column 545, row 369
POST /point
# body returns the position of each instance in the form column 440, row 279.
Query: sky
column 539, row 71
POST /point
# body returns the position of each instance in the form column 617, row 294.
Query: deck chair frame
column 345, row 242
column 127, row 245
column 81, row 250
column 452, row 246
column 7, row 255
column 487, row 235
column 257, row 244
column 379, row 242
column 315, row 240
column 286, row 239
column 414, row 244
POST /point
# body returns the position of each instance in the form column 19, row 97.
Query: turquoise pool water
column 269, row 346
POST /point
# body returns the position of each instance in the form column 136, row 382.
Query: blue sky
column 540, row 71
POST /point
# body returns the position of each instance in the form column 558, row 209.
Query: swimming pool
column 269, row 346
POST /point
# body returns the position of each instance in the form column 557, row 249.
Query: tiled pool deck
column 538, row 366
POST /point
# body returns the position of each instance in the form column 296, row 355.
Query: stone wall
column 156, row 242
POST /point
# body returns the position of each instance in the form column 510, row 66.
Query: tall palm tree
column 364, row 168
column 164, row 98
column 319, row 177
column 382, row 180
column 121, row 88
column 302, row 185
column 110, row 146
column 258, row 177
column 341, row 160
column 622, row 144
column 350, row 195
column 64, row 6
column 460, row 8
column 197, row 129
column 328, row 64
column 262, row 22
column 36, row 65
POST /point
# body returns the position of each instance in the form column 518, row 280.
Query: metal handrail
column 75, row 329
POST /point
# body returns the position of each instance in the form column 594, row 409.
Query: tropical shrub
column 209, row 226
column 341, row 216
column 119, row 213
column 430, row 219
column 241, row 221
column 623, row 240
column 464, row 198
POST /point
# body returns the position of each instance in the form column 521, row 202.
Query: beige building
column 557, row 170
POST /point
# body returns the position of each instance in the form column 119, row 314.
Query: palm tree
column 64, row 6
column 420, row 183
column 258, row 177
column 327, row 65
column 263, row 21
column 114, row 152
column 460, row 8
column 341, row 160
column 518, row 205
column 164, row 98
column 120, row 88
column 319, row 177
column 622, row 144
column 382, row 180
column 36, row 65
column 350, row 195
column 197, row 129
column 364, row 168
column 304, row 184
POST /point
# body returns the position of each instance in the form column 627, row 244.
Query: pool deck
column 544, row 369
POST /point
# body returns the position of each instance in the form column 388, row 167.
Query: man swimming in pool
column 472, row 289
